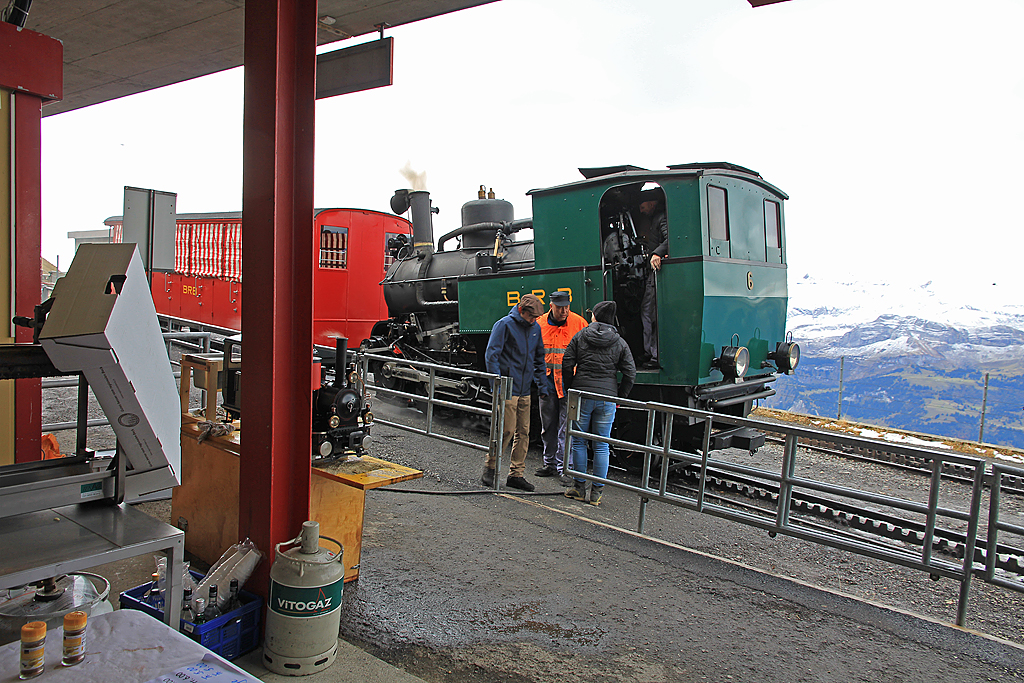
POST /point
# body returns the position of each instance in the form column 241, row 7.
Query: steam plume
column 417, row 181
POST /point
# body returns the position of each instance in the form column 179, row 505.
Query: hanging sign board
column 356, row 68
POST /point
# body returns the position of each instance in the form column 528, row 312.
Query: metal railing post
column 430, row 401
column 786, row 482
column 645, row 476
column 649, row 442
column 706, row 449
column 502, row 388
column 932, row 515
column 992, row 541
column 666, row 446
column 972, row 537
column 572, row 414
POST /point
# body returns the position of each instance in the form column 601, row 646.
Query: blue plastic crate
column 229, row 635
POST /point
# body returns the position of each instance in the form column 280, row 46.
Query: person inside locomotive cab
column 653, row 236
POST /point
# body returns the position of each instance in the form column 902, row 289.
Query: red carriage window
column 772, row 234
column 333, row 247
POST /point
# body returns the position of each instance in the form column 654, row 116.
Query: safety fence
column 451, row 381
column 778, row 512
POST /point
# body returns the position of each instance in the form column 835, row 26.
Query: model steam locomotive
column 721, row 292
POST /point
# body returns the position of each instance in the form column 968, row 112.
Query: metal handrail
column 779, row 521
column 502, row 389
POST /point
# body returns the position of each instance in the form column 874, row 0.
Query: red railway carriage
column 349, row 260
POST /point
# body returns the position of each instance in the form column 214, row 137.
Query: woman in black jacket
column 590, row 363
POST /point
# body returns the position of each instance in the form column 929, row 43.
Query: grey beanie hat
column 605, row 312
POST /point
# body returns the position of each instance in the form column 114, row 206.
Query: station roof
column 114, row 48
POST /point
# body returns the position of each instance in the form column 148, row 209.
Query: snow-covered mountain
column 913, row 357
column 854, row 319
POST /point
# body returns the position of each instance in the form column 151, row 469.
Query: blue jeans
column 596, row 417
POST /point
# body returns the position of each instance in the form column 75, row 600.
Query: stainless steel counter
column 38, row 545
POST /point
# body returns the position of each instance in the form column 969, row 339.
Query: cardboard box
column 103, row 324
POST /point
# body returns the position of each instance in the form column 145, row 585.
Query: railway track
column 950, row 471
column 732, row 489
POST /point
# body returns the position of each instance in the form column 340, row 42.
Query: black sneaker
column 519, row 483
column 651, row 365
column 546, row 471
column 595, row 495
column 487, row 479
column 566, row 480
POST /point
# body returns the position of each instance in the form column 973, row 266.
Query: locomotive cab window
column 718, row 222
column 773, row 231
column 333, row 247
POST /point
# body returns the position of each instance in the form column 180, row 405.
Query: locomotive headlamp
column 334, row 421
column 786, row 356
column 734, row 361
column 368, row 418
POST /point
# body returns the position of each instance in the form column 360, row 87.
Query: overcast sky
column 894, row 125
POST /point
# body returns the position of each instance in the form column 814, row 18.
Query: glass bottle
column 187, row 613
column 153, row 591
column 233, row 601
column 212, row 611
column 200, row 611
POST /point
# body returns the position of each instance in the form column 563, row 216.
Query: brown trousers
column 517, row 432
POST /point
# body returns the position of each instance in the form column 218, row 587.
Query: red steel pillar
column 32, row 73
column 277, row 258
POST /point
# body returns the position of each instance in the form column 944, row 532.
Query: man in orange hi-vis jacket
column 557, row 327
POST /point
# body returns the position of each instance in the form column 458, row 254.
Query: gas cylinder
column 304, row 610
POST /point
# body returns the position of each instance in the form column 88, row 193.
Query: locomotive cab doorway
column 628, row 241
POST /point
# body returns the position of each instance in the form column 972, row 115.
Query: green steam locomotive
column 720, row 294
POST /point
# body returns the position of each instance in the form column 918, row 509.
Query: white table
column 126, row 646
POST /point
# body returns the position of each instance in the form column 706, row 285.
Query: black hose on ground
column 470, row 493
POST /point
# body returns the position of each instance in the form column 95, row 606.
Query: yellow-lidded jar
column 74, row 637
column 33, row 649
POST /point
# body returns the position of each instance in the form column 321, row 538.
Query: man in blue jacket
column 516, row 350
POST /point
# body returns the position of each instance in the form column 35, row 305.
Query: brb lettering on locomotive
column 514, row 297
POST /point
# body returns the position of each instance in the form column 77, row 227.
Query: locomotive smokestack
column 422, row 217
column 422, row 221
